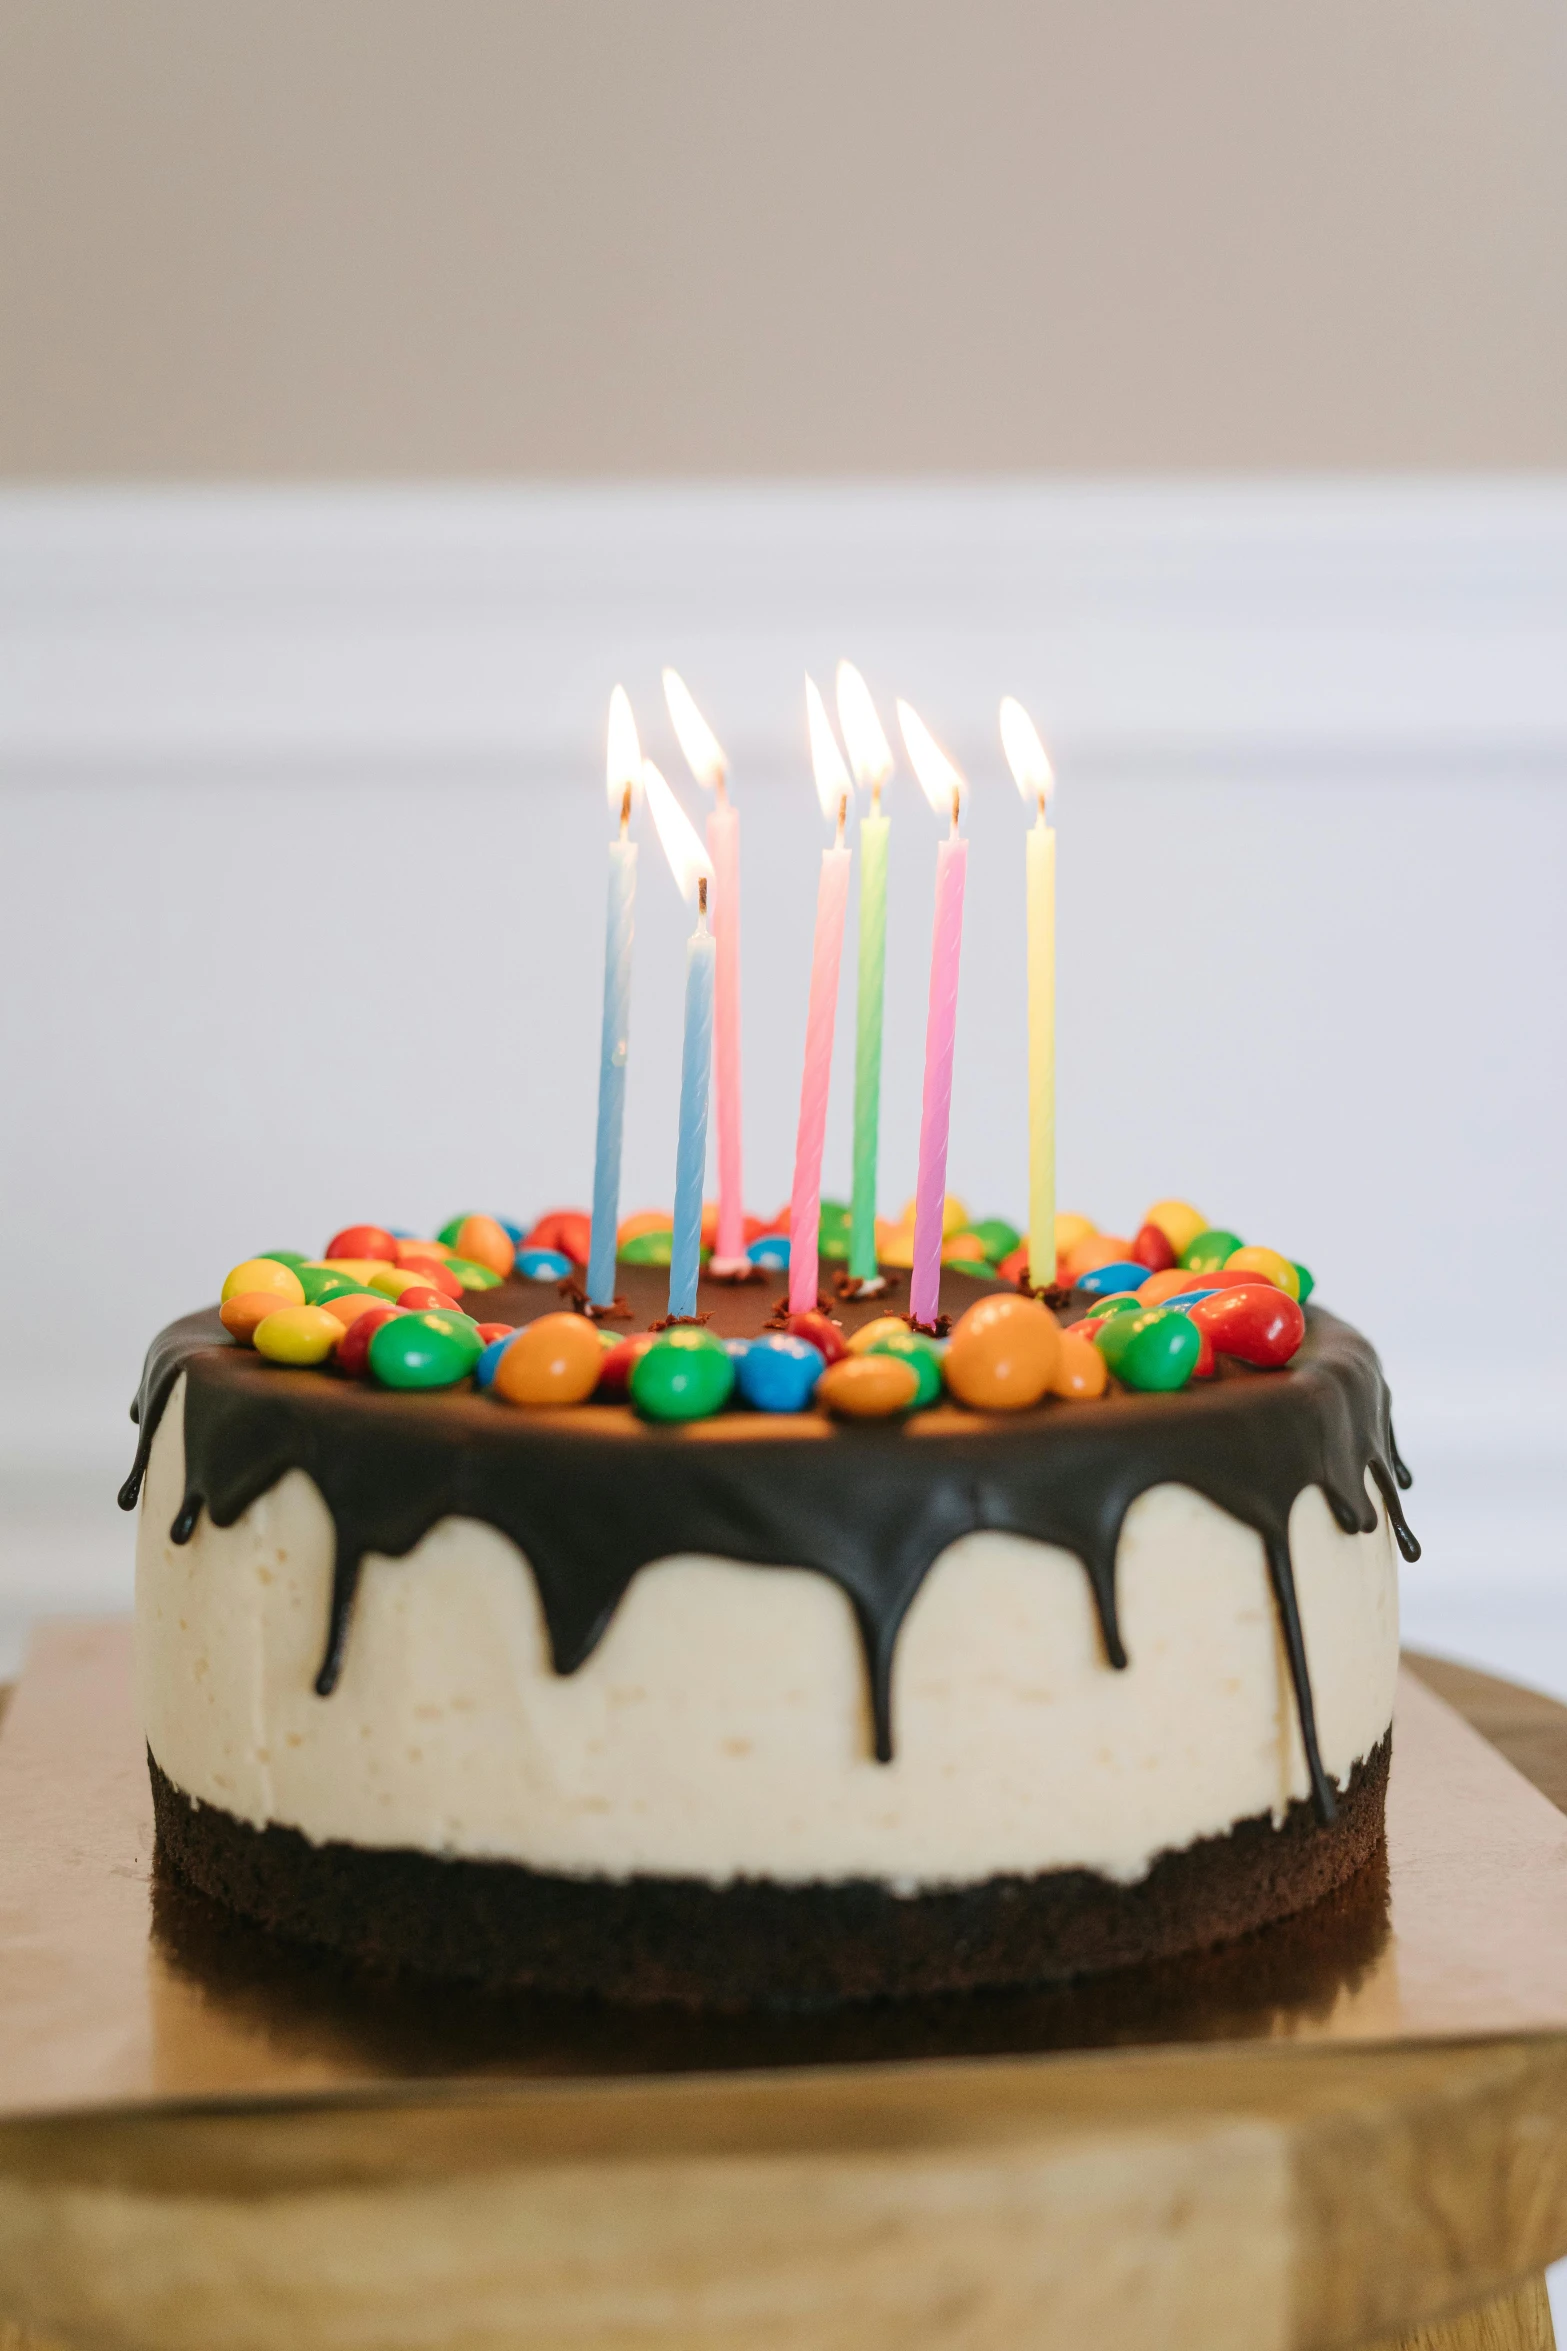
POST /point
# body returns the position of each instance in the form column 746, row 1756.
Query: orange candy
column 483, row 1242
column 646, row 1220
column 1099, row 1249
column 1080, row 1373
column 239, row 1315
column 868, row 1387
column 1003, row 1353
column 402, row 1251
column 555, row 1360
column 352, row 1305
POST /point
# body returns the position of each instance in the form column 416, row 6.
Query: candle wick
column 625, row 811
column 1042, row 809
column 720, row 787
column 701, row 898
column 876, row 796
column 843, row 817
column 957, row 801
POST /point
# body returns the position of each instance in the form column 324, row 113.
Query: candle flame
column 870, row 753
column 832, row 777
column 697, row 740
column 941, row 783
column 678, row 836
column 1026, row 754
column 623, row 768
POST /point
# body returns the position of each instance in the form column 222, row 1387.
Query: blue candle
column 623, row 775
column 696, row 1061
column 619, row 925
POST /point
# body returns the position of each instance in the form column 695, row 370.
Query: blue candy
column 772, row 1250
column 515, row 1233
column 1105, row 1280
column 484, row 1369
column 542, row 1265
column 777, row 1373
column 1189, row 1298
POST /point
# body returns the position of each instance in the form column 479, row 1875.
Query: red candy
column 494, row 1330
column 1254, row 1322
column 565, row 1229
column 820, row 1333
column 424, row 1295
column 363, row 1240
column 615, row 1370
column 1152, row 1248
column 352, row 1352
column 434, row 1276
column 1207, row 1363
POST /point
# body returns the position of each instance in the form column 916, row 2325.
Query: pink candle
column 805, row 1201
column 723, row 846
column 944, row 788
column 930, row 1197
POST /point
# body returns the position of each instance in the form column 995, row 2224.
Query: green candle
column 867, row 1043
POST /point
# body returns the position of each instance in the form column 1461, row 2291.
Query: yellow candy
column 885, row 1326
column 955, row 1217
column 1179, row 1222
column 265, row 1273
column 895, row 1245
column 1268, row 1265
column 298, row 1334
column 357, row 1269
column 867, row 1387
column 1070, row 1230
column 1002, row 1354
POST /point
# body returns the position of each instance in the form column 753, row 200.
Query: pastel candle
column 688, row 863
column 870, row 756
column 832, row 902
column 942, row 785
column 1031, row 770
column 704, row 756
column 624, row 769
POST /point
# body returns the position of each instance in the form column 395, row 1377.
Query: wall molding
column 1268, row 628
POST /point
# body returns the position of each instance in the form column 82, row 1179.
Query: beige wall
column 391, row 237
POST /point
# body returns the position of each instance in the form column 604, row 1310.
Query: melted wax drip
column 871, row 1506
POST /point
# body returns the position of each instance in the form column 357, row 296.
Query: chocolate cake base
column 756, row 1942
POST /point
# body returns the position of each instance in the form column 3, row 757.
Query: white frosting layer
column 721, row 1727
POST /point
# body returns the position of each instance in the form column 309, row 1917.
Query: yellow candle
column 1041, row 1052
column 1031, row 772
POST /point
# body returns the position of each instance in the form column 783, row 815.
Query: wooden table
column 1227, row 2195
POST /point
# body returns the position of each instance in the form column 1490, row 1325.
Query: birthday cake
column 766, row 1657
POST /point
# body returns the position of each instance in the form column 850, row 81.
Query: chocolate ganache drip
column 590, row 1496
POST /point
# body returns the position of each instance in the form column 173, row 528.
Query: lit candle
column 870, row 755
column 624, row 775
column 689, row 864
column 832, row 901
column 944, row 788
column 1031, row 771
column 707, row 763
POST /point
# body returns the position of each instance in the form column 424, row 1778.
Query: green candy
column 1208, row 1252
column 999, row 1238
column 291, row 1257
column 1125, row 1304
column 833, row 1244
column 449, row 1232
column 685, row 1375
column 320, row 1283
column 834, row 1218
column 977, row 1269
column 911, row 1348
column 432, row 1350
column 471, row 1276
column 1153, row 1349
column 1308, row 1281
column 648, row 1249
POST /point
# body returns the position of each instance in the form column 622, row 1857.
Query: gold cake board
column 1320, row 2139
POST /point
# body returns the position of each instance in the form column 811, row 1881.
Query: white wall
column 302, row 834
